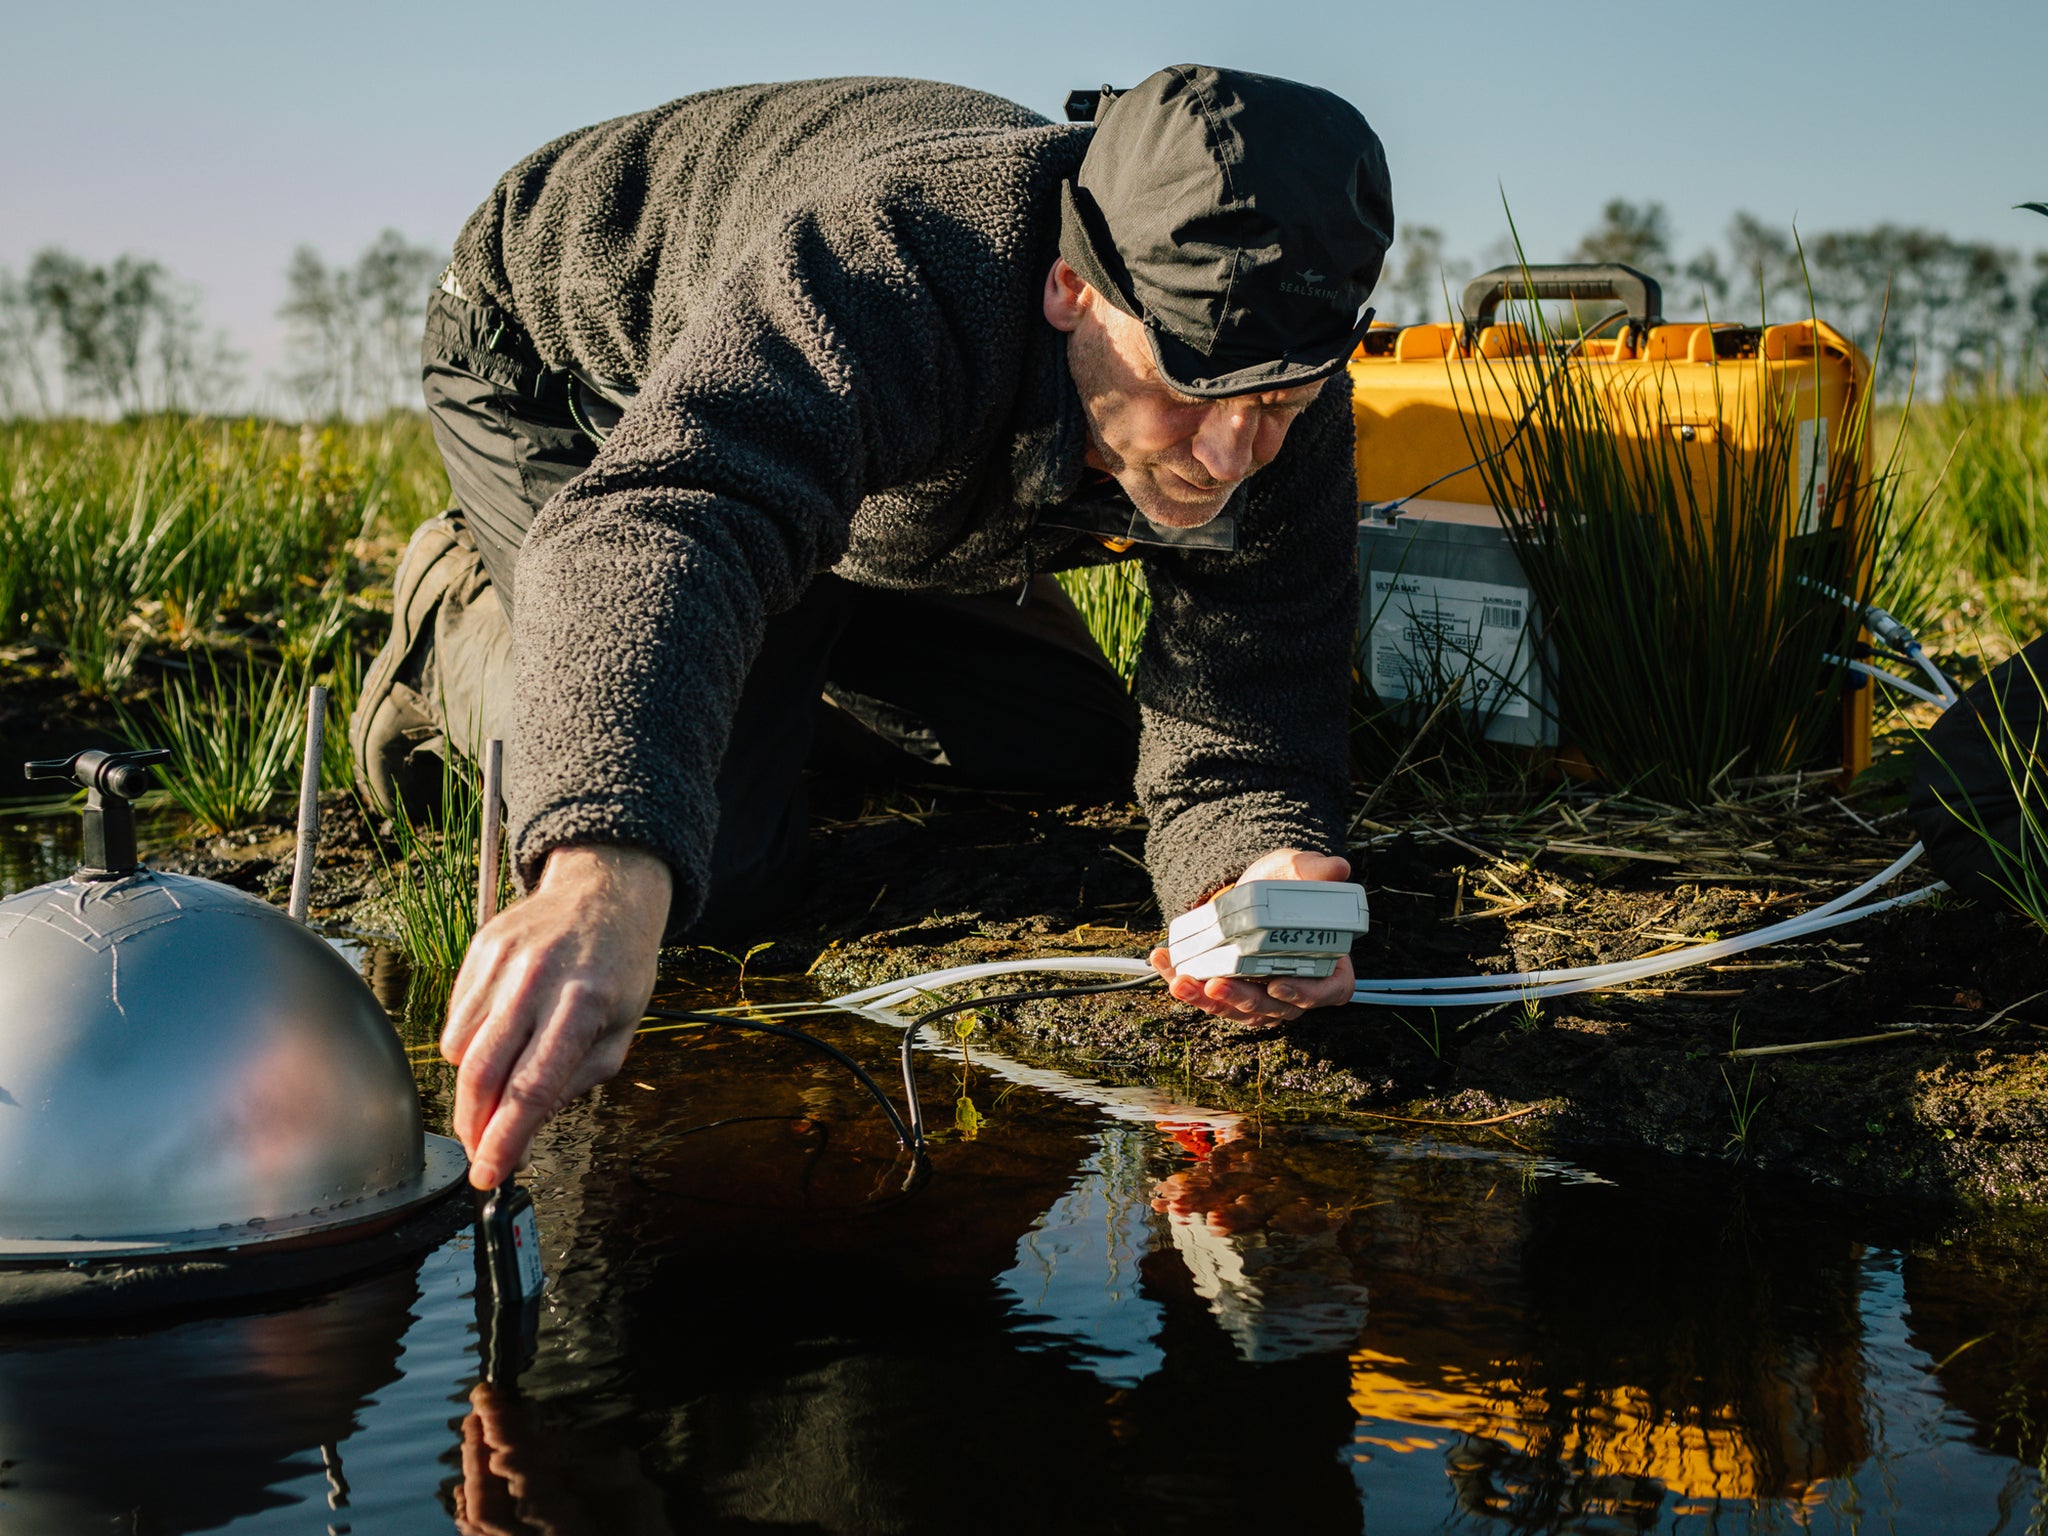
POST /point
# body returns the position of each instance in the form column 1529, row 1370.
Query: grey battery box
column 1442, row 598
column 1269, row 928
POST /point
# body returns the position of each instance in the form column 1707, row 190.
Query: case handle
column 1566, row 280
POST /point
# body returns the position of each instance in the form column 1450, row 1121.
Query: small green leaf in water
column 967, row 1119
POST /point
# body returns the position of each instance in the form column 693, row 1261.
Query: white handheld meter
column 1269, row 928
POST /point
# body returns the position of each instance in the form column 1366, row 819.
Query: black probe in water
column 510, row 1276
column 510, row 1279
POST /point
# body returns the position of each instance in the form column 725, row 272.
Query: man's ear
column 1067, row 297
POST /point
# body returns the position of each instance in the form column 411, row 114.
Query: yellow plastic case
column 1416, row 388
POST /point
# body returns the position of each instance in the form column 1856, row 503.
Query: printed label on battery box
column 1810, row 472
column 1429, row 631
column 526, row 1248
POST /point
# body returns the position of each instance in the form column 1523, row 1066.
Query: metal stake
column 309, row 803
column 487, row 861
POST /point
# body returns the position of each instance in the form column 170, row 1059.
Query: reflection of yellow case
column 1410, row 384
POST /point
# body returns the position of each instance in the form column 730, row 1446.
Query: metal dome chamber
column 199, row 1097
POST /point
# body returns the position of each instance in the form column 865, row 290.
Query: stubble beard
column 1145, row 481
column 1166, row 490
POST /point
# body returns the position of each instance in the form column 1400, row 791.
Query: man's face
column 1177, row 457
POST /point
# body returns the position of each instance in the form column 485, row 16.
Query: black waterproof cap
column 1242, row 218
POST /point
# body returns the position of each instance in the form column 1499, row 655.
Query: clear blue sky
column 216, row 136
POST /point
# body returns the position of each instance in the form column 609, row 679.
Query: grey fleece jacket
column 824, row 300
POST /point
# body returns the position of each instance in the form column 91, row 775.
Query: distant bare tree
column 1948, row 311
column 99, row 316
column 1703, row 274
column 24, row 382
column 1637, row 234
column 123, row 337
column 355, row 329
column 1767, row 279
column 1419, row 272
column 2037, row 295
column 1952, row 303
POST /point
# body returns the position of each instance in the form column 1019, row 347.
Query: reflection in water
column 39, row 839
column 1263, row 1251
column 187, row 1426
column 35, row 849
column 1519, row 1454
column 1076, row 1275
column 1637, row 1362
column 1108, row 1312
column 1257, row 1248
column 520, row 1476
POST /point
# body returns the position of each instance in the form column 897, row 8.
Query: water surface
column 1111, row 1310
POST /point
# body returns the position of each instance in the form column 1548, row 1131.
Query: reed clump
column 234, row 734
column 1691, row 634
column 432, row 880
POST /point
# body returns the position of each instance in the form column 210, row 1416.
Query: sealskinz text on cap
column 1241, row 217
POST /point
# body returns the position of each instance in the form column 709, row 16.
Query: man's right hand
column 549, row 996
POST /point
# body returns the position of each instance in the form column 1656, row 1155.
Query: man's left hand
column 1284, row 997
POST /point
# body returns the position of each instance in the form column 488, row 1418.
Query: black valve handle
column 1639, row 291
column 111, row 781
column 125, row 774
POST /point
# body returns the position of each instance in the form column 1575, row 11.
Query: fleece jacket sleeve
column 1244, row 677
column 827, row 364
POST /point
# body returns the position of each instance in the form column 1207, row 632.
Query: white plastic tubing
column 891, row 994
column 1494, row 990
column 1468, row 991
column 1449, row 991
column 1893, row 680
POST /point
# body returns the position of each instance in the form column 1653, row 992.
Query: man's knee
column 443, row 680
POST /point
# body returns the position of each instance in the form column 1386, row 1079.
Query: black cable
column 911, row 1142
column 910, row 1034
column 904, row 1137
column 910, row 1136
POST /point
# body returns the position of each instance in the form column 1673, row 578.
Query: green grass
column 125, row 546
column 1971, row 576
column 146, row 535
column 235, row 736
column 1114, row 606
column 433, row 880
column 343, row 680
column 1742, row 1113
column 1997, row 482
column 1982, row 458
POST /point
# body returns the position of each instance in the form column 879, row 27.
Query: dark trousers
column 976, row 691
